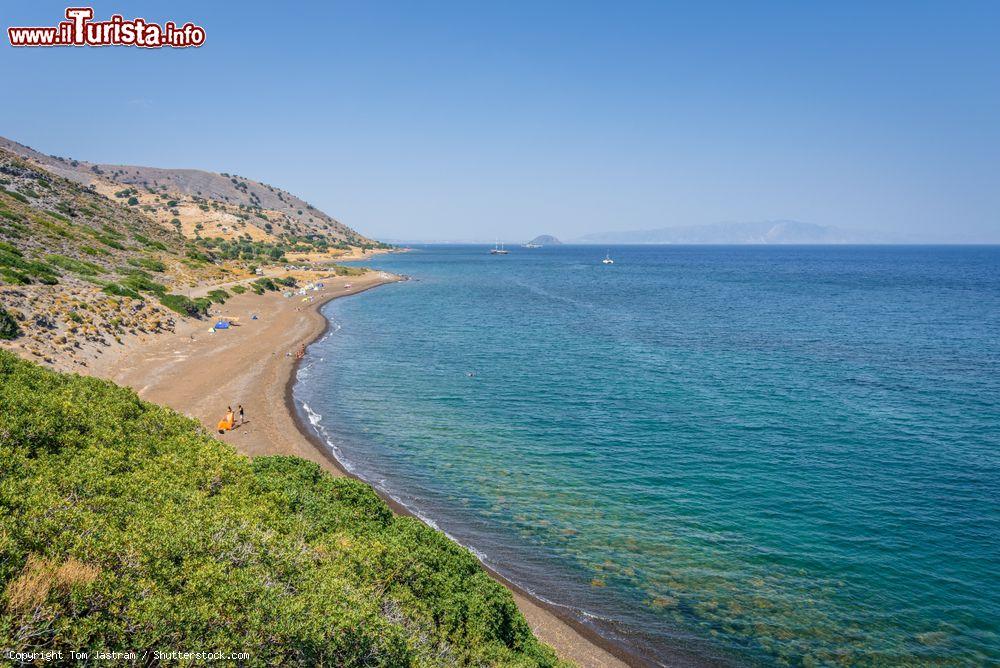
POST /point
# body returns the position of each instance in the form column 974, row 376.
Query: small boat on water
column 498, row 249
column 607, row 259
column 531, row 245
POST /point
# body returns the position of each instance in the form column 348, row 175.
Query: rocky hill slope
column 83, row 271
column 210, row 206
column 78, row 270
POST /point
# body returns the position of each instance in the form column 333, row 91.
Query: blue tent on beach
column 222, row 324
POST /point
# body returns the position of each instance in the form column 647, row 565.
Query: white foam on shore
column 316, row 419
column 382, row 485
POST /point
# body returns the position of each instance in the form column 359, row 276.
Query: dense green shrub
column 124, row 527
column 262, row 285
column 112, row 232
column 238, row 289
column 110, row 242
column 16, row 269
column 121, row 291
column 146, row 241
column 76, row 266
column 141, row 282
column 199, row 256
column 16, row 195
column 219, row 296
column 266, row 251
column 14, row 277
column 344, row 270
column 194, row 308
column 147, row 263
column 9, row 328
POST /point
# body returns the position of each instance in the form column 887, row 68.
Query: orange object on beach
column 226, row 424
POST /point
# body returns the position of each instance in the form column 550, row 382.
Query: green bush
column 109, row 241
column 9, row 328
column 76, row 266
column 151, row 243
column 262, row 285
column 186, row 306
column 16, row 269
column 238, row 289
column 141, row 282
column 14, row 277
column 121, row 291
column 199, row 256
column 10, row 248
column 343, row 270
column 219, row 296
column 16, row 195
column 147, row 263
column 125, row 527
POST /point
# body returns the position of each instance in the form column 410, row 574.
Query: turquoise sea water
column 744, row 455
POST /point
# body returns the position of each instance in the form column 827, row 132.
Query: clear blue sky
column 462, row 120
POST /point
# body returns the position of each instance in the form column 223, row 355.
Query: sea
column 709, row 455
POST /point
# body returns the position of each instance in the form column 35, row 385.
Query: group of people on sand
column 229, row 423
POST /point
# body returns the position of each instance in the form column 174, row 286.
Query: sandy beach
column 252, row 364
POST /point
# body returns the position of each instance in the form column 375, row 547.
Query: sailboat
column 498, row 249
column 607, row 259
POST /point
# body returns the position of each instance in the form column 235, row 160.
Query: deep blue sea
column 745, row 455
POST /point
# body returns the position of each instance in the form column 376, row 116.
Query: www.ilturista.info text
column 81, row 30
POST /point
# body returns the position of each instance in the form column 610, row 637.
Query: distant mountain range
column 545, row 240
column 765, row 232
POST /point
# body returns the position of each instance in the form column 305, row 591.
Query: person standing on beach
column 241, row 415
column 230, row 416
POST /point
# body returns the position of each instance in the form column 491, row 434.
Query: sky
column 475, row 120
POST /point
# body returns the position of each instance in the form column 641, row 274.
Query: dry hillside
column 211, row 207
column 85, row 267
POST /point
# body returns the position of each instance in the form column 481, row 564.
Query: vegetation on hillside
column 71, row 218
column 80, row 272
column 211, row 207
column 9, row 329
column 124, row 527
column 246, row 248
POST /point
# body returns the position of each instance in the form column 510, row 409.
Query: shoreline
column 198, row 374
column 532, row 607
